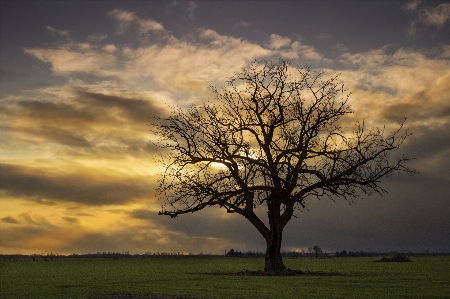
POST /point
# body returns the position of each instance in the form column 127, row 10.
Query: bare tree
column 316, row 250
column 271, row 138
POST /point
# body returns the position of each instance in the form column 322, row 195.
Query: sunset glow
column 81, row 81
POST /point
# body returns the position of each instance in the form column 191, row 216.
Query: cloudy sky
column 79, row 80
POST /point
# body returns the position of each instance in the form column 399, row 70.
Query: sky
column 80, row 79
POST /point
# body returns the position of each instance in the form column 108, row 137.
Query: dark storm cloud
column 412, row 216
column 81, row 120
column 58, row 112
column 422, row 106
column 429, row 141
column 84, row 188
column 88, row 108
column 134, row 110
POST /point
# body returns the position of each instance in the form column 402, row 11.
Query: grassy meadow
column 190, row 277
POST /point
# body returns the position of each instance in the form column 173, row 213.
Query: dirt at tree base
column 143, row 296
column 287, row 272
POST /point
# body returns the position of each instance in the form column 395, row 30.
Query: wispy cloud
column 55, row 31
column 123, row 18
column 411, row 5
column 75, row 58
column 96, row 37
column 243, row 24
column 187, row 6
column 436, row 16
column 430, row 15
column 191, row 7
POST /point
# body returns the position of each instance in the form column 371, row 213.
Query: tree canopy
column 272, row 137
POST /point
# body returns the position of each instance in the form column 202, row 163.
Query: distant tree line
column 312, row 252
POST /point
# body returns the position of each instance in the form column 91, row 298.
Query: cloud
column 78, row 187
column 109, row 48
column 176, row 65
column 192, row 6
column 125, row 19
column 96, row 37
column 188, row 7
column 405, row 83
column 130, row 109
column 182, row 66
column 34, row 219
column 412, row 5
column 80, row 112
column 149, row 25
column 430, row 146
column 278, row 41
column 410, row 217
column 340, row 47
column 428, row 103
column 308, row 53
column 77, row 58
column 10, row 220
column 55, row 31
column 242, row 24
column 294, row 50
column 32, row 239
column 436, row 16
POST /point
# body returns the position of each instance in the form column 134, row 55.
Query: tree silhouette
column 316, row 250
column 273, row 138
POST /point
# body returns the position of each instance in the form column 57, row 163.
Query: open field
column 426, row 277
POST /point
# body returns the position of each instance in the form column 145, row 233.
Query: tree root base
column 287, row 272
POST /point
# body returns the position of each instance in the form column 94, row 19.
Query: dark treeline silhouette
column 344, row 253
column 396, row 258
column 231, row 253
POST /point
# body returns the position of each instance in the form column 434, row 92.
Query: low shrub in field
column 398, row 258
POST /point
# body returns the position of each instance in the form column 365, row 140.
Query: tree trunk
column 274, row 261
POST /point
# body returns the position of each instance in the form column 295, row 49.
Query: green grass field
column 425, row 277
